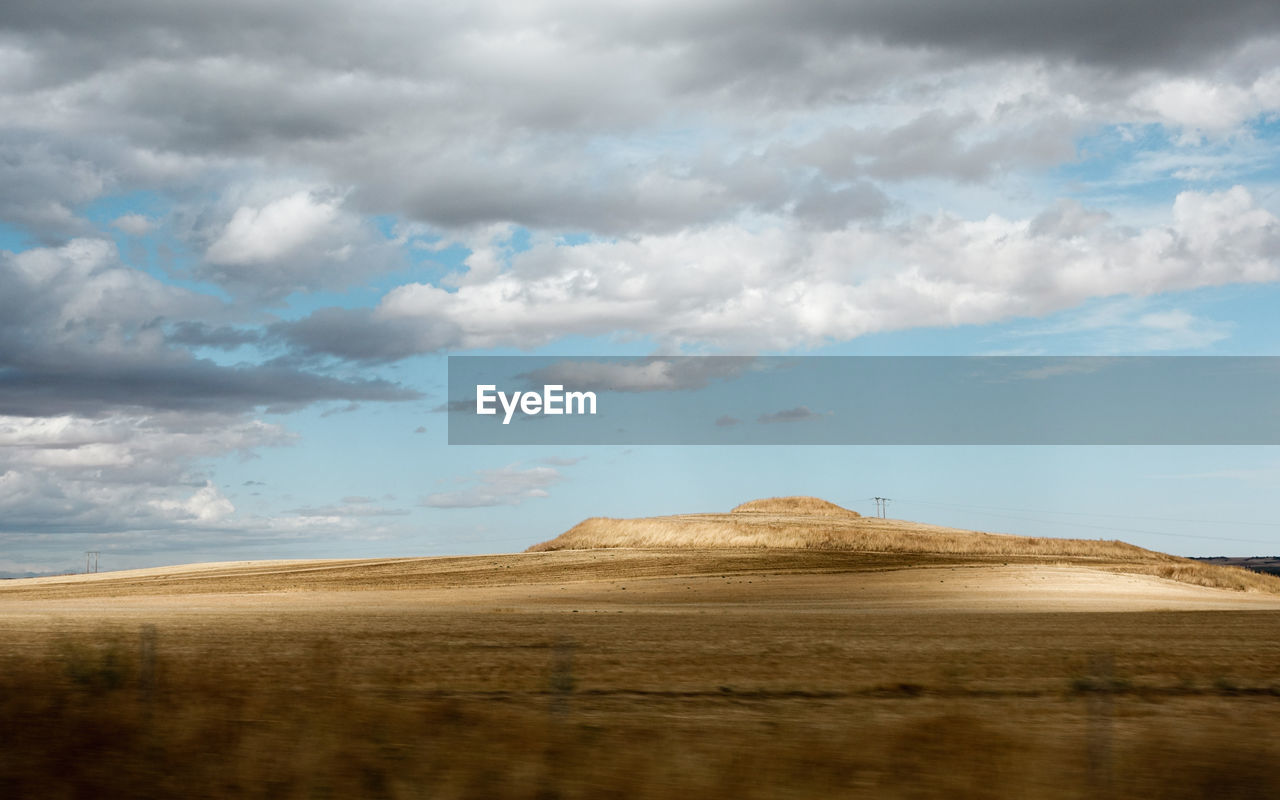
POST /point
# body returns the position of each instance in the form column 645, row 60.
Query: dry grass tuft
column 812, row 506
column 1215, row 576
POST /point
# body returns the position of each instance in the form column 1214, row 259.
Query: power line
column 1098, row 514
column 1101, row 527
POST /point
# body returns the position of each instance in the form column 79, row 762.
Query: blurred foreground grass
column 316, row 711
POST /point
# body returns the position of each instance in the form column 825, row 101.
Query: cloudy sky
column 237, row 242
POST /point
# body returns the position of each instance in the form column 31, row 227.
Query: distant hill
column 10, row 576
column 1267, row 565
column 812, row 506
column 810, row 523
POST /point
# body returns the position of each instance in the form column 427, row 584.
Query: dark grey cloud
column 835, row 207
column 561, row 461
column 1148, row 33
column 1132, row 35
column 797, row 414
column 342, row 409
column 42, row 187
column 453, row 405
column 557, row 118
column 190, row 333
column 726, row 421
column 356, row 334
column 196, row 385
column 380, row 37
column 558, row 195
column 108, row 419
column 80, row 333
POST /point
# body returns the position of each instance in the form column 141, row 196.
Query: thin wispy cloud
column 797, row 414
column 507, row 486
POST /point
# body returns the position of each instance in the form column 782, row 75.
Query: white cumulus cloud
column 778, row 285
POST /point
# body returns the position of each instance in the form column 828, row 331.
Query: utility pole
column 882, row 505
column 90, row 561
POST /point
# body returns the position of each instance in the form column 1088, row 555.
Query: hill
column 808, row 523
column 1269, row 565
column 811, row 506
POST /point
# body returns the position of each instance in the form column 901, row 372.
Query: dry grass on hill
column 1215, row 576
column 812, row 506
column 765, row 524
column 807, row 523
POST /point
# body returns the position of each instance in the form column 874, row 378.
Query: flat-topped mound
column 813, row 506
column 787, row 523
column 797, row 531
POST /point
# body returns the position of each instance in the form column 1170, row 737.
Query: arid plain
column 783, row 650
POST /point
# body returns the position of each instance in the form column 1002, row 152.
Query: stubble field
column 639, row 673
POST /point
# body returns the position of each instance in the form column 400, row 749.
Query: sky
column 238, row 242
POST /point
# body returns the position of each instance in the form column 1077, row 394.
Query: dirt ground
column 638, row 674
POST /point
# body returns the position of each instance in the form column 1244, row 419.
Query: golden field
column 681, row 671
